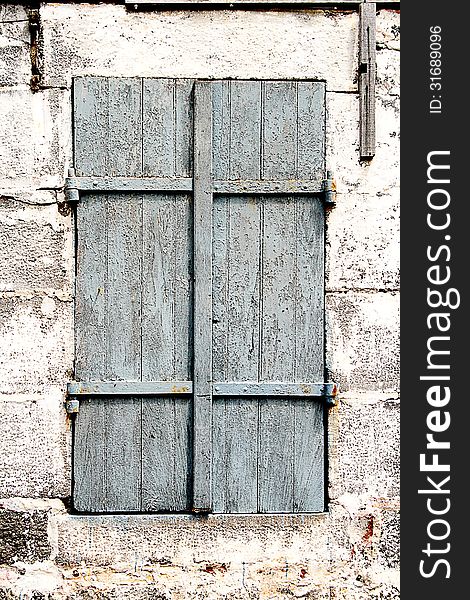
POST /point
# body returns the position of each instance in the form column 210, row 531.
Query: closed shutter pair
column 199, row 310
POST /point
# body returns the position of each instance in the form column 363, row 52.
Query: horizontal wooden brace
column 258, row 186
column 73, row 185
column 252, row 388
column 129, row 184
column 129, row 388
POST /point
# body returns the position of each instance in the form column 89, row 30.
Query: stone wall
column 350, row 552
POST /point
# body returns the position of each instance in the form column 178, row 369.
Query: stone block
column 15, row 61
column 35, row 139
column 363, row 340
column 35, row 446
column 35, row 246
column 37, row 342
column 382, row 173
column 364, row 449
column 363, row 243
column 23, row 536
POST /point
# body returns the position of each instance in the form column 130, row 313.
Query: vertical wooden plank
column 235, row 443
column 90, row 143
column 309, row 466
column 245, row 130
column 221, row 128
column 91, row 125
column 89, row 464
column 123, row 289
column 278, row 350
column 124, row 234
column 367, row 74
column 166, row 296
column 202, row 448
column 237, row 141
column 310, row 130
column 236, row 350
column 108, row 142
column 279, row 130
column 166, row 461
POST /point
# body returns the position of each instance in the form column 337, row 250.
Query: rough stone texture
column 363, row 250
column 380, row 175
column 362, row 340
column 15, row 62
column 36, row 428
column 37, row 341
column 35, row 246
column 35, row 138
column 23, row 537
column 389, row 547
column 364, row 448
column 349, row 553
column 310, row 44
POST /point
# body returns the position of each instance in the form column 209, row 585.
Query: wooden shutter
column 268, row 297
column 133, row 291
column 217, row 183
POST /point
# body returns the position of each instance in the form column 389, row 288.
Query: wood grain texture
column 255, row 314
column 202, row 448
column 268, row 296
column 166, row 296
column 133, row 294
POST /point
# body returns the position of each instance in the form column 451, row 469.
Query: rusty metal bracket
column 329, row 189
column 72, row 406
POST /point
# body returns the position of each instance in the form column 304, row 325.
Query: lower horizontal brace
column 129, row 388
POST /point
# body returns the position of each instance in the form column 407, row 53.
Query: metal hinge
column 329, row 189
column 70, row 187
column 72, row 406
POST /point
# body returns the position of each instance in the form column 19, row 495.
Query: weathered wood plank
column 236, row 350
column 310, row 132
column 202, row 448
column 91, row 118
column 166, row 454
column 123, row 454
column 279, row 130
column 235, row 462
column 251, row 388
column 276, row 456
column 90, row 453
column 278, row 349
column 130, row 388
column 309, row 460
column 107, row 143
column 237, row 140
column 131, row 184
column 253, row 186
column 245, row 130
column 166, row 295
column 367, row 75
column 309, row 465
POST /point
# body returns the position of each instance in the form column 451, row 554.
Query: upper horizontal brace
column 252, row 388
column 129, row 184
column 185, row 184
